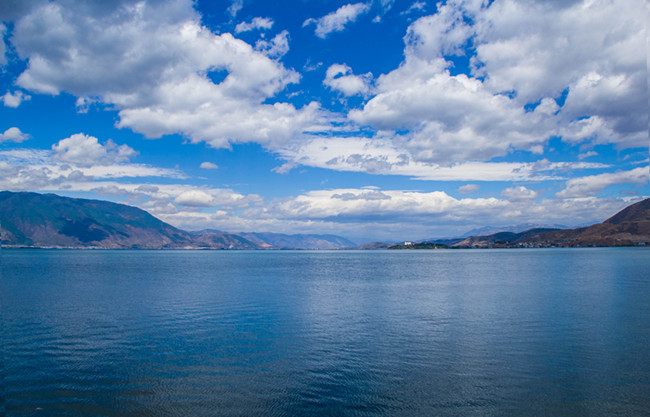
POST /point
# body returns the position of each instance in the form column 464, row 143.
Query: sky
column 377, row 120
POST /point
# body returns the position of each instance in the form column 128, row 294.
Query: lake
column 527, row 332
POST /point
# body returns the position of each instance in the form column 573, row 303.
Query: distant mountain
column 49, row 220
column 629, row 227
column 497, row 239
column 490, row 230
column 375, row 246
column 300, row 241
column 214, row 239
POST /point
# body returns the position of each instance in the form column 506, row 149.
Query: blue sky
column 377, row 120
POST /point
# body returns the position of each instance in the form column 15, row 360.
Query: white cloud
column 235, row 7
column 594, row 184
column 443, row 33
column 341, row 203
column 588, row 48
column 415, row 7
column 14, row 99
column 340, row 77
column 195, row 198
column 449, row 118
column 587, row 155
column 208, row 165
column 395, row 214
column 13, row 134
column 276, row 47
column 337, row 20
column 129, row 171
column 86, row 151
column 429, row 124
column 156, row 72
column 29, row 169
column 468, row 188
column 383, row 156
column 367, row 213
column 258, row 23
column 437, row 117
column 519, row 193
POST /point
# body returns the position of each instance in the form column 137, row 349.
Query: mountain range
column 47, row 220
column 629, row 227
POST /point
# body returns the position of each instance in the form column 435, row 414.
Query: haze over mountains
column 47, row 220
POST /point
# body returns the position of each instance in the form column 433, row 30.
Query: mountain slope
column 501, row 238
column 629, row 227
column 48, row 220
column 31, row 219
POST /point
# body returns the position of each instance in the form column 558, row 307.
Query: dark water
column 450, row 333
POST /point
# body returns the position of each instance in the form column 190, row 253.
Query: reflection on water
column 483, row 332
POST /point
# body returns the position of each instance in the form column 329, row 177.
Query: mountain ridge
column 37, row 220
column 30, row 219
column 628, row 227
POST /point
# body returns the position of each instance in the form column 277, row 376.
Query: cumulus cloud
column 525, row 56
column 258, row 23
column 340, row 77
column 337, row 20
column 541, row 49
column 416, row 215
column 14, row 99
column 195, row 198
column 276, row 47
column 594, row 184
column 448, row 118
column 362, row 212
column 429, row 121
column 13, row 134
column 519, row 193
column 208, row 165
column 156, row 72
column 341, row 203
column 84, row 150
column 443, row 33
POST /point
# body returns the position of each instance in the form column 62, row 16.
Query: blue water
column 561, row 332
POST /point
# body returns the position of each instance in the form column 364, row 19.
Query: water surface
column 451, row 333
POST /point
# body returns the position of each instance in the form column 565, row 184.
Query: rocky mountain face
column 49, row 220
